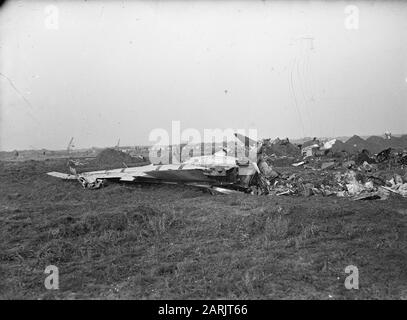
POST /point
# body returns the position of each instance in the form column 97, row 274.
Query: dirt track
column 161, row 242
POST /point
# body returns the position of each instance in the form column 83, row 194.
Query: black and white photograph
column 203, row 151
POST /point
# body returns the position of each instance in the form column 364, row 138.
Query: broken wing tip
column 60, row 175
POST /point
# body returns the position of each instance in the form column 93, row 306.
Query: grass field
column 170, row 242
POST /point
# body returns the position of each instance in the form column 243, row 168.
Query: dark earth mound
column 359, row 143
column 340, row 146
column 378, row 143
column 115, row 158
column 281, row 148
column 375, row 144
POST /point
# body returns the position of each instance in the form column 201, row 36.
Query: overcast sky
column 109, row 70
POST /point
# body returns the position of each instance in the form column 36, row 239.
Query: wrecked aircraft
column 218, row 173
column 320, row 174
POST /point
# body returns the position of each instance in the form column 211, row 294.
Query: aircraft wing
column 176, row 172
column 214, row 189
column 168, row 172
column 60, row 175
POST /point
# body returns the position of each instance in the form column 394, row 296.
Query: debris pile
column 357, row 185
column 319, row 170
column 280, row 148
column 342, row 149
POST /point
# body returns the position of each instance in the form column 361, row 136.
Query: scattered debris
column 313, row 170
column 327, row 165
